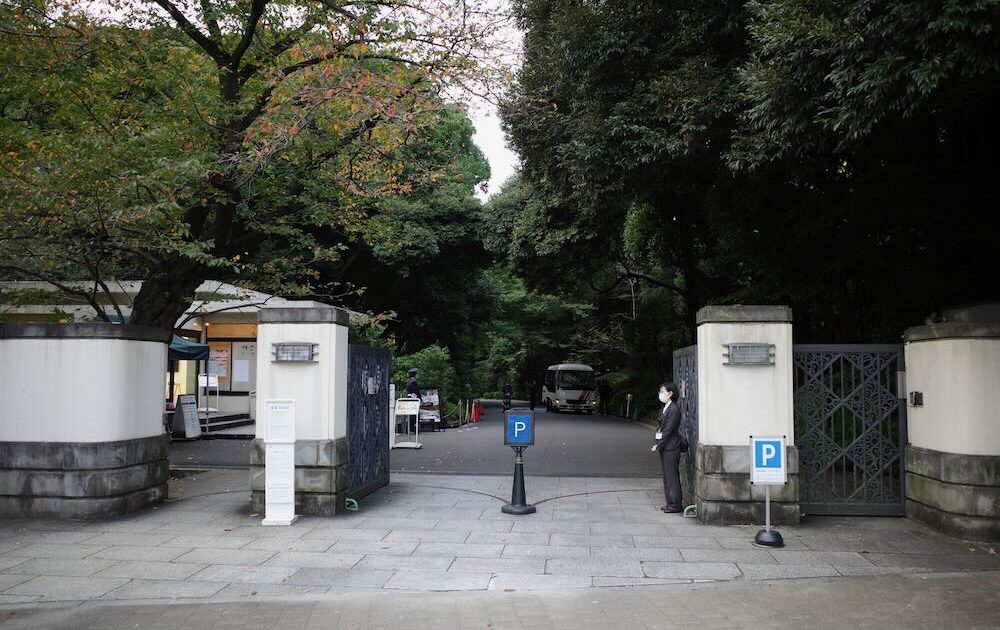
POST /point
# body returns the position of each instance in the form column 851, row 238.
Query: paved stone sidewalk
column 438, row 533
column 913, row 602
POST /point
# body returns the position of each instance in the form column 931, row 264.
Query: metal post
column 518, row 502
column 768, row 537
column 767, row 508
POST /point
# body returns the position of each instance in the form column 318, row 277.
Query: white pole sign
column 392, row 415
column 279, row 462
column 767, row 460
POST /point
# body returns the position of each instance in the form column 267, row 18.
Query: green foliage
column 530, row 330
column 435, row 370
column 836, row 157
column 371, row 330
column 248, row 142
column 824, row 75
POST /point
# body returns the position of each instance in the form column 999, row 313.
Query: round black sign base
column 519, row 510
column 770, row 538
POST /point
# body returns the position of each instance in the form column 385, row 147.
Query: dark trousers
column 671, row 478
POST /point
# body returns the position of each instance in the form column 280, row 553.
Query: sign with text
column 407, row 406
column 520, row 428
column 749, row 353
column 279, row 421
column 279, row 462
column 767, row 460
column 187, row 407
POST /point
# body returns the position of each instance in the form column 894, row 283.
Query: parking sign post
column 519, row 433
column 767, row 468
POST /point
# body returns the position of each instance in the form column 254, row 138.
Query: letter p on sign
column 769, row 453
column 768, row 460
column 520, row 428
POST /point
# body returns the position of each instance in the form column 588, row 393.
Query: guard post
column 767, row 468
column 519, row 433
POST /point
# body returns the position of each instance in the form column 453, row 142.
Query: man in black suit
column 413, row 391
column 668, row 445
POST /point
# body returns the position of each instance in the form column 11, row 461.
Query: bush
column 435, row 370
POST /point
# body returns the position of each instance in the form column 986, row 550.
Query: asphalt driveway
column 565, row 445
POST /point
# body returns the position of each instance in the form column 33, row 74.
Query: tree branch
column 221, row 310
column 111, row 299
column 65, row 288
column 208, row 13
column 206, row 43
column 265, row 96
column 256, row 11
column 637, row 275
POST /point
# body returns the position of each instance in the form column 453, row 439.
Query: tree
column 184, row 141
column 833, row 156
column 529, row 331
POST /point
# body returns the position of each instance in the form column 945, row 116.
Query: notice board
column 186, row 411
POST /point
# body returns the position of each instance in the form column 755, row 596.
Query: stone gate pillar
column 953, row 455
column 743, row 390
column 302, row 355
column 81, row 422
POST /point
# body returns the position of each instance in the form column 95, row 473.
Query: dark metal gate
column 367, row 420
column 686, row 379
column 850, row 428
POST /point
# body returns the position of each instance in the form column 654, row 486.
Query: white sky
column 490, row 139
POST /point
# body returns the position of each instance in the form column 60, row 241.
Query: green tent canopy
column 182, row 349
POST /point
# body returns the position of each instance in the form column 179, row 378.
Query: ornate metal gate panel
column 850, row 428
column 686, row 378
column 367, row 419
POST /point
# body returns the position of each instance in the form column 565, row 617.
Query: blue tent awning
column 182, row 349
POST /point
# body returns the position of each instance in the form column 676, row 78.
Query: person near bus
column 604, row 394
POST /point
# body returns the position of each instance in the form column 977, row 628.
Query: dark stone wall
column 82, row 479
column 320, row 476
column 958, row 495
column 724, row 495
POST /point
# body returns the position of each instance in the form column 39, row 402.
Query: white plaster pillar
column 737, row 400
column 319, row 389
column 953, row 454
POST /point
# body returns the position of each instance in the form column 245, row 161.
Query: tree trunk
column 166, row 294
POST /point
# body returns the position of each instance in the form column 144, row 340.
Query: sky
column 490, row 139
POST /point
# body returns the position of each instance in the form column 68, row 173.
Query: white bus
column 569, row 386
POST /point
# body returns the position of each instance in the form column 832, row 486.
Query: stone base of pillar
column 82, row 479
column 724, row 495
column 958, row 495
column 320, row 476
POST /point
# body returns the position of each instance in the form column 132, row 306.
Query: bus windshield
column 576, row 380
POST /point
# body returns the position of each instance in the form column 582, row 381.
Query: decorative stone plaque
column 749, row 354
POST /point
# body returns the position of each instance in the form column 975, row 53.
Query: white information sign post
column 407, row 407
column 392, row 415
column 768, row 468
column 279, row 463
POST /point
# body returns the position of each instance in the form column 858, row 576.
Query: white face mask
column 664, row 397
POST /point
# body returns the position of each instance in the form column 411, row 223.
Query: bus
column 570, row 387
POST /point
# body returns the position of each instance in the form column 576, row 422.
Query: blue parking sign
column 767, row 454
column 520, row 428
column 767, row 464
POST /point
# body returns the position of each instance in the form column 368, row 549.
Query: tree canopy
column 251, row 141
column 833, row 156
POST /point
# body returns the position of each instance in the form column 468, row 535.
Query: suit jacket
column 412, row 388
column 670, row 426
